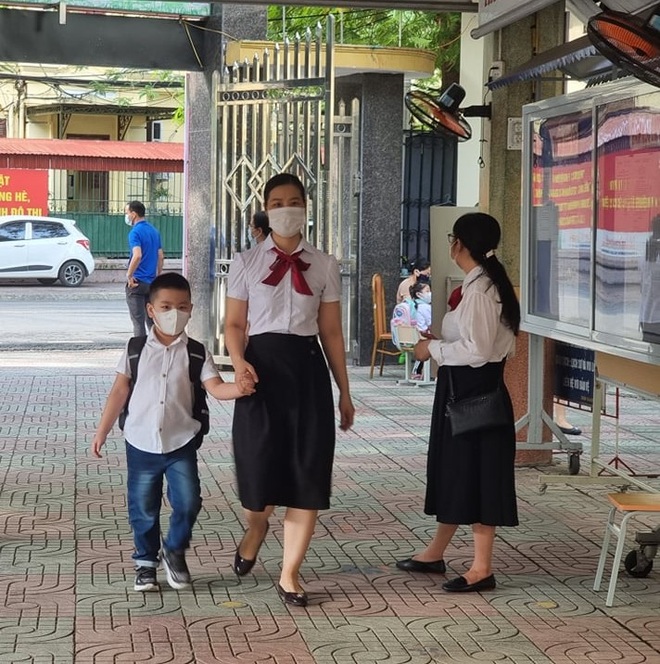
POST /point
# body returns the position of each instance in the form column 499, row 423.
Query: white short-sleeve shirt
column 280, row 308
column 160, row 410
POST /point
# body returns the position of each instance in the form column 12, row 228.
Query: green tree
column 435, row 31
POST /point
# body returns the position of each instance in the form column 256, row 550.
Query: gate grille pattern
column 429, row 179
column 271, row 118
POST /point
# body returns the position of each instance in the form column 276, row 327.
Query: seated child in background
column 420, row 303
column 420, row 271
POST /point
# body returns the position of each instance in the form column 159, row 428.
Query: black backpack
column 196, row 357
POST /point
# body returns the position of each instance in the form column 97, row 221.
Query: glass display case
column 591, row 219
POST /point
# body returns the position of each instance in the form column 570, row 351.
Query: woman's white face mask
column 287, row 221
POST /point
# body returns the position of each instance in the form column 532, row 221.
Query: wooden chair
column 382, row 338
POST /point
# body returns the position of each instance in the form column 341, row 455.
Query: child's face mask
column 425, row 297
column 171, row 322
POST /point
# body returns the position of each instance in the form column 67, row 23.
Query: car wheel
column 47, row 282
column 72, row 274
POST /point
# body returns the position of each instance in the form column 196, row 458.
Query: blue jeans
column 145, row 494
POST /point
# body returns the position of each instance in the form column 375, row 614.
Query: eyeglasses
column 451, row 238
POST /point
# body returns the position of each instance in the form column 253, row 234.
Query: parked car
column 44, row 248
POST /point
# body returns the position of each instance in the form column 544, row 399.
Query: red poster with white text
column 23, row 192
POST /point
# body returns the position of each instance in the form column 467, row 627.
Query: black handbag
column 484, row 411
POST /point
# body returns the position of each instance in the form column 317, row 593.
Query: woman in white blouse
column 284, row 435
column 470, row 478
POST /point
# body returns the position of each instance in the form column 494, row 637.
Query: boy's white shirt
column 160, row 410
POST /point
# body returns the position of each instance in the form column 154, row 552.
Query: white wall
column 472, row 76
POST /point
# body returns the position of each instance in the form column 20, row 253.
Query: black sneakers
column 145, row 579
column 174, row 562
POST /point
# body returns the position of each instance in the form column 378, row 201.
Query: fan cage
column 628, row 42
column 429, row 112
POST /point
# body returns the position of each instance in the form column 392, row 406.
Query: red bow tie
column 285, row 262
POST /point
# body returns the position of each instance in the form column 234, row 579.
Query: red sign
column 628, row 191
column 23, row 192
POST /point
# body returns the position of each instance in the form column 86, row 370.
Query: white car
column 44, row 248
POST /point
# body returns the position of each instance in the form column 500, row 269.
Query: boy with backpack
column 164, row 417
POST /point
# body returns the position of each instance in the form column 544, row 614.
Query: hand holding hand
column 246, row 383
column 241, row 367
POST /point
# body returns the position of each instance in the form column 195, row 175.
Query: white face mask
column 127, row 220
column 287, row 221
column 425, row 297
column 172, row 322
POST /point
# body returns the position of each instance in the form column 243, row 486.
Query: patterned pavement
column 66, row 574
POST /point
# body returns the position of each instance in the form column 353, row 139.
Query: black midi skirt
column 470, row 478
column 284, row 434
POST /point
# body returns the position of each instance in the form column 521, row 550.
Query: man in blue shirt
column 145, row 264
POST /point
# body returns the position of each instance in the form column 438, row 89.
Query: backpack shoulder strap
column 135, row 346
column 196, row 357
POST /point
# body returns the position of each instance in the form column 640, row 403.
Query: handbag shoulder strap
column 452, row 396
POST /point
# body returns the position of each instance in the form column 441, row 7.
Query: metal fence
column 96, row 200
column 108, row 234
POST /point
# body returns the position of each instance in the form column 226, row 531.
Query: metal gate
column 272, row 117
column 429, row 179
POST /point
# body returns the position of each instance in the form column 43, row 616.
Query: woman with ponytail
column 470, row 478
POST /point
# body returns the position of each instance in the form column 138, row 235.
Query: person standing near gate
column 145, row 264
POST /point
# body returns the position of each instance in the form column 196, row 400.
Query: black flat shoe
column 410, row 565
column 460, row 585
column 570, row 431
column 295, row 599
column 242, row 566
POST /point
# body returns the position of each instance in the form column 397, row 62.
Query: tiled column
column 380, row 221
column 239, row 22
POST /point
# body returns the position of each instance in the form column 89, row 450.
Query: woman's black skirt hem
column 470, row 478
column 284, row 434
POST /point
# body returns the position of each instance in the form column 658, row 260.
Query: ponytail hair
column 480, row 234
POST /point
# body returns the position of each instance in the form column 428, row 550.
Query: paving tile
column 66, row 571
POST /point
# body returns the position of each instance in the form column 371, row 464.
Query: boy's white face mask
column 172, row 322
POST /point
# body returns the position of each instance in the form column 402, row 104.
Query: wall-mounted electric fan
column 441, row 112
column 629, row 42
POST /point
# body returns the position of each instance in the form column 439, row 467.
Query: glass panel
column 14, row 230
column 47, row 229
column 627, row 286
column 560, row 220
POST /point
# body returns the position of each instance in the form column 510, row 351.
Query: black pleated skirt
column 470, row 478
column 284, row 434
